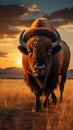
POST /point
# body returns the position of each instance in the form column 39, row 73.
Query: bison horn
column 22, row 42
column 54, row 44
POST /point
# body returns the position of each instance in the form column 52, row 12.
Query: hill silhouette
column 70, row 74
column 11, row 73
column 17, row 73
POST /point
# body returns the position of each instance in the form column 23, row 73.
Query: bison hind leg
column 62, row 82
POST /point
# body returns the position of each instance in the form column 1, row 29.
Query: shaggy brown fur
column 40, row 32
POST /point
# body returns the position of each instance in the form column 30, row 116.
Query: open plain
column 16, row 102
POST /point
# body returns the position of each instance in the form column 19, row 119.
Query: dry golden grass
column 16, row 101
column 13, row 93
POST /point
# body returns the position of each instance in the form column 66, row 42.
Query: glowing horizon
column 14, row 57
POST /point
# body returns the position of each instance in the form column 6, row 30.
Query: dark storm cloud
column 10, row 16
column 3, row 54
column 62, row 17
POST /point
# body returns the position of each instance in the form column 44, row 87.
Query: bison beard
column 45, row 58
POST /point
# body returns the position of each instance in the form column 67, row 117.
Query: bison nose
column 39, row 67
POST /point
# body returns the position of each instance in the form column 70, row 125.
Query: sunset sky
column 16, row 15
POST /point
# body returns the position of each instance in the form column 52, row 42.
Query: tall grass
column 14, row 95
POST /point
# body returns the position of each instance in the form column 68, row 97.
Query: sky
column 17, row 15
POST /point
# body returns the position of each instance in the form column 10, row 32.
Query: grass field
column 16, row 101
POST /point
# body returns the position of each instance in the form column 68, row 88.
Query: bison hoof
column 60, row 100
column 36, row 109
column 46, row 103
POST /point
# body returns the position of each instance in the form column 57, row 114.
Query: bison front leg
column 37, row 106
column 38, row 103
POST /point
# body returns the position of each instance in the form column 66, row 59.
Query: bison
column 45, row 60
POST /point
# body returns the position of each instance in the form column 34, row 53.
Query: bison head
column 40, row 43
